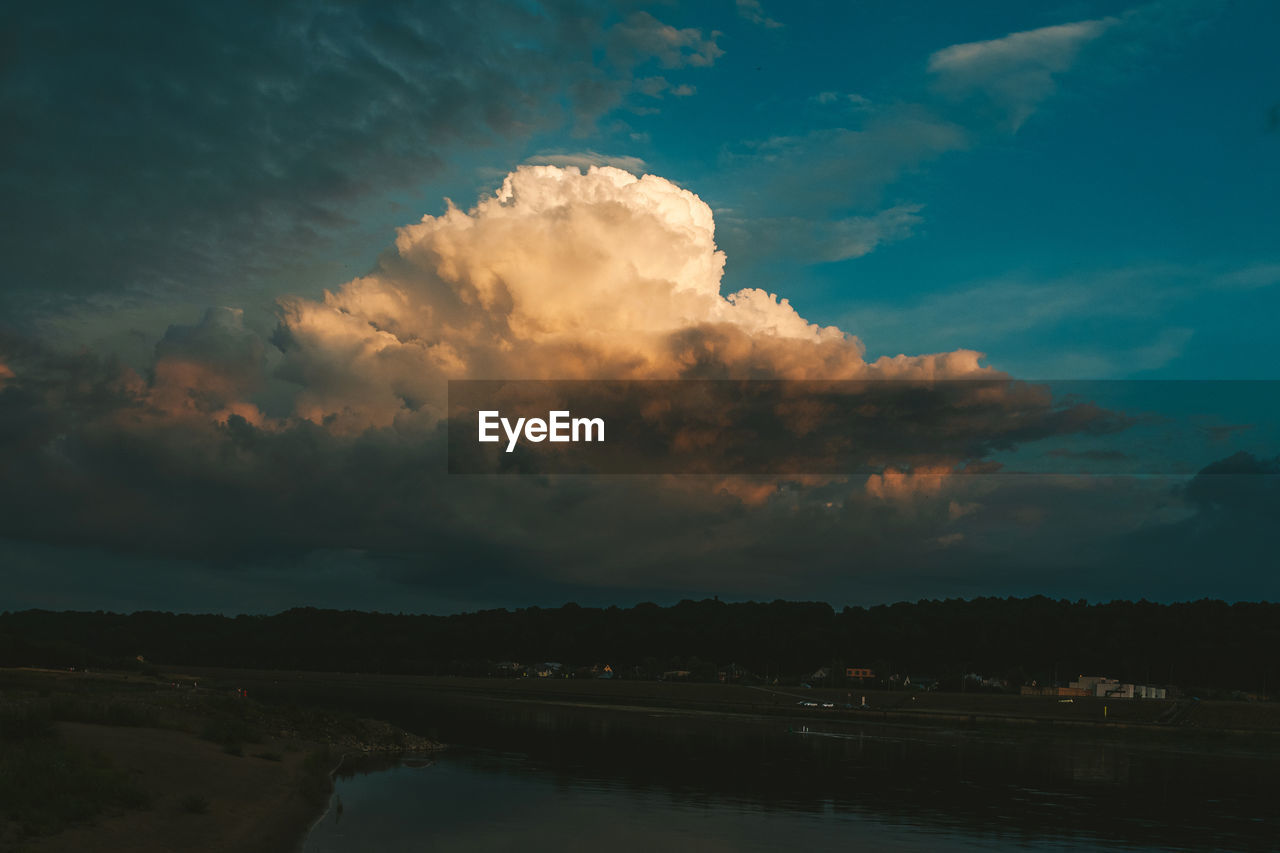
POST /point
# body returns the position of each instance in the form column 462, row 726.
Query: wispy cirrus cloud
column 641, row 37
column 753, row 11
column 820, row 196
column 971, row 93
column 846, row 167
column 800, row 239
column 1029, row 309
column 1015, row 72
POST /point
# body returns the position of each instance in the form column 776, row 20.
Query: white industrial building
column 1110, row 688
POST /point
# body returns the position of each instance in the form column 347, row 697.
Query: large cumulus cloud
column 560, row 274
column 330, row 439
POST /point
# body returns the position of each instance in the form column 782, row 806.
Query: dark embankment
column 114, row 761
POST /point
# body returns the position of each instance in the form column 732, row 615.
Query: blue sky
column 1092, row 198
column 1124, row 227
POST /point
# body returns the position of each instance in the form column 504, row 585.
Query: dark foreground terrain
column 207, row 758
column 115, row 761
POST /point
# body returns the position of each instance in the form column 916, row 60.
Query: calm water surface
column 565, row 779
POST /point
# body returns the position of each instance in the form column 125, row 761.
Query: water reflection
column 543, row 778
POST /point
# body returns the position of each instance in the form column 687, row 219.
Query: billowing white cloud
column 560, row 274
column 1017, row 71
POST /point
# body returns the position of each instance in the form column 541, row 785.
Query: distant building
column 1096, row 685
column 1111, row 688
column 859, row 672
column 1034, row 690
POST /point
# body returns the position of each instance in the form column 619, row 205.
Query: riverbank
column 209, row 759
column 169, row 763
column 199, row 797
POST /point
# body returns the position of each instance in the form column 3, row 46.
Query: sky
column 246, row 247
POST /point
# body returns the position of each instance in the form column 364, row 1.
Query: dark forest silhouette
column 1202, row 645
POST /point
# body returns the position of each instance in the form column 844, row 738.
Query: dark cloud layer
column 95, row 457
column 170, row 145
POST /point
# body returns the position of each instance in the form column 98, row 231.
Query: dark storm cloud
column 171, row 144
column 176, row 462
column 97, row 458
column 1221, row 544
column 161, row 468
column 219, row 338
column 1240, row 486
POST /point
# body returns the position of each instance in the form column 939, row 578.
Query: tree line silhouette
column 1203, row 645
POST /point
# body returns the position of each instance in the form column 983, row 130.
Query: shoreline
column 205, row 769
column 262, row 774
column 392, row 757
column 328, row 806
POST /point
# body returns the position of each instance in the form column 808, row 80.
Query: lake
column 533, row 778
